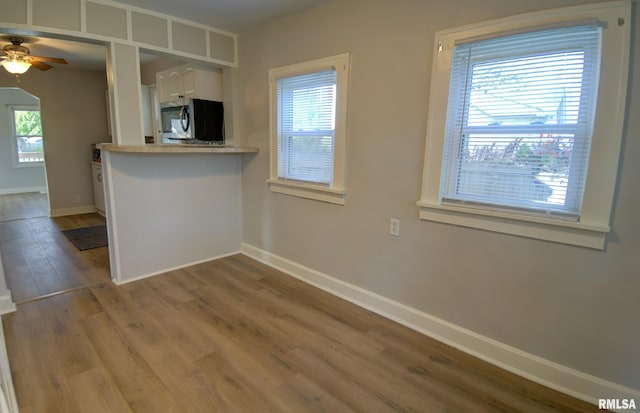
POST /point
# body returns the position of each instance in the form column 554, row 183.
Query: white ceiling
column 79, row 56
column 232, row 15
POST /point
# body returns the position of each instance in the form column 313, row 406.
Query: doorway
column 23, row 182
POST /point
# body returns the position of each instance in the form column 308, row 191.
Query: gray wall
column 72, row 104
column 571, row 305
column 12, row 179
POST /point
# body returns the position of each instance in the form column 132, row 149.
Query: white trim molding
column 548, row 373
column 592, row 227
column 303, row 190
column 62, row 212
column 6, row 303
column 117, row 278
column 6, row 382
column 25, row 190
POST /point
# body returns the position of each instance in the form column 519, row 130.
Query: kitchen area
column 173, row 199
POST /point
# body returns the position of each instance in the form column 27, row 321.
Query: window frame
column 15, row 136
column 335, row 192
column 593, row 225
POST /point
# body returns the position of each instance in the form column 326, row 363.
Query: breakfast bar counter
column 177, row 149
column 171, row 206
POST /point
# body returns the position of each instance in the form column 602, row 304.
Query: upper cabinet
column 188, row 81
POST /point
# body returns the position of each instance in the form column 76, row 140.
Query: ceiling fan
column 17, row 59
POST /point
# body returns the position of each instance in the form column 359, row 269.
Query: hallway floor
column 39, row 260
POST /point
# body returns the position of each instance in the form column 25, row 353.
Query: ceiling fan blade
column 47, row 59
column 40, row 65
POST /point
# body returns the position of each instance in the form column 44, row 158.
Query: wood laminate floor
column 25, row 205
column 39, row 260
column 233, row 335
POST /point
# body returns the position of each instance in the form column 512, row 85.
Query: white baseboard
column 11, row 191
column 556, row 376
column 62, row 212
column 118, row 281
column 6, row 303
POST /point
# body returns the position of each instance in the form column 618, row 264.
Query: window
column 27, row 131
column 308, row 124
column 525, row 124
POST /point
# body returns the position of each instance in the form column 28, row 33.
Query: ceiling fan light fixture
column 16, row 67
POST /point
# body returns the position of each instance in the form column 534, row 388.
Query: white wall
column 12, row 179
column 170, row 210
column 570, row 305
column 73, row 109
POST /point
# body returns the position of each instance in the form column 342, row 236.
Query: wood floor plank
column 130, row 372
column 23, row 206
column 46, row 388
column 95, row 392
column 40, row 261
column 234, row 335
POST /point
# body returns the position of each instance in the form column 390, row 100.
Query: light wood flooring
column 233, row 335
column 21, row 206
column 39, row 260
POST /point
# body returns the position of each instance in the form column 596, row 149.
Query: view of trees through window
column 28, row 134
column 516, row 127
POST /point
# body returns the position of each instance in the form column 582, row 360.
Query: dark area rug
column 88, row 237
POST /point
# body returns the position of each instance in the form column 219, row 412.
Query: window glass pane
column 531, row 90
column 28, row 134
column 519, row 120
column 306, row 124
column 309, row 158
column 27, row 122
column 522, row 168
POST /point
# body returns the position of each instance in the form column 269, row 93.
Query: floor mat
column 88, row 237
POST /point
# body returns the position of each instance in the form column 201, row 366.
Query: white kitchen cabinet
column 162, row 87
column 188, row 81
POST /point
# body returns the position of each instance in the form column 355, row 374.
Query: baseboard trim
column 62, row 212
column 11, row 191
column 553, row 375
column 118, row 281
column 6, row 303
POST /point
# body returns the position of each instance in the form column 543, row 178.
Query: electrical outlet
column 394, row 227
column 76, row 199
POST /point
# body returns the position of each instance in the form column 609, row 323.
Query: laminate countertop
column 177, row 149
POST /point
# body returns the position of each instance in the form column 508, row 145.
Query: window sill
column 28, row 165
column 564, row 232
column 309, row 191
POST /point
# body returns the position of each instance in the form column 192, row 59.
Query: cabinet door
column 175, row 89
column 162, row 86
column 189, row 82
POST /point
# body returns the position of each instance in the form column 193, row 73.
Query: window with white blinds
column 520, row 120
column 308, row 128
column 526, row 122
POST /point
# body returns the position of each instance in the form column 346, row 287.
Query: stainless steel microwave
column 198, row 121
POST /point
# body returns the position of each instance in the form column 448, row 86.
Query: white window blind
column 519, row 121
column 306, row 118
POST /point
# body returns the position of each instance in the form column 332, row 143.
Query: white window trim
column 14, row 143
column 336, row 193
column 592, row 228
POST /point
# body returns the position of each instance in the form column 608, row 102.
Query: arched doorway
column 23, row 182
